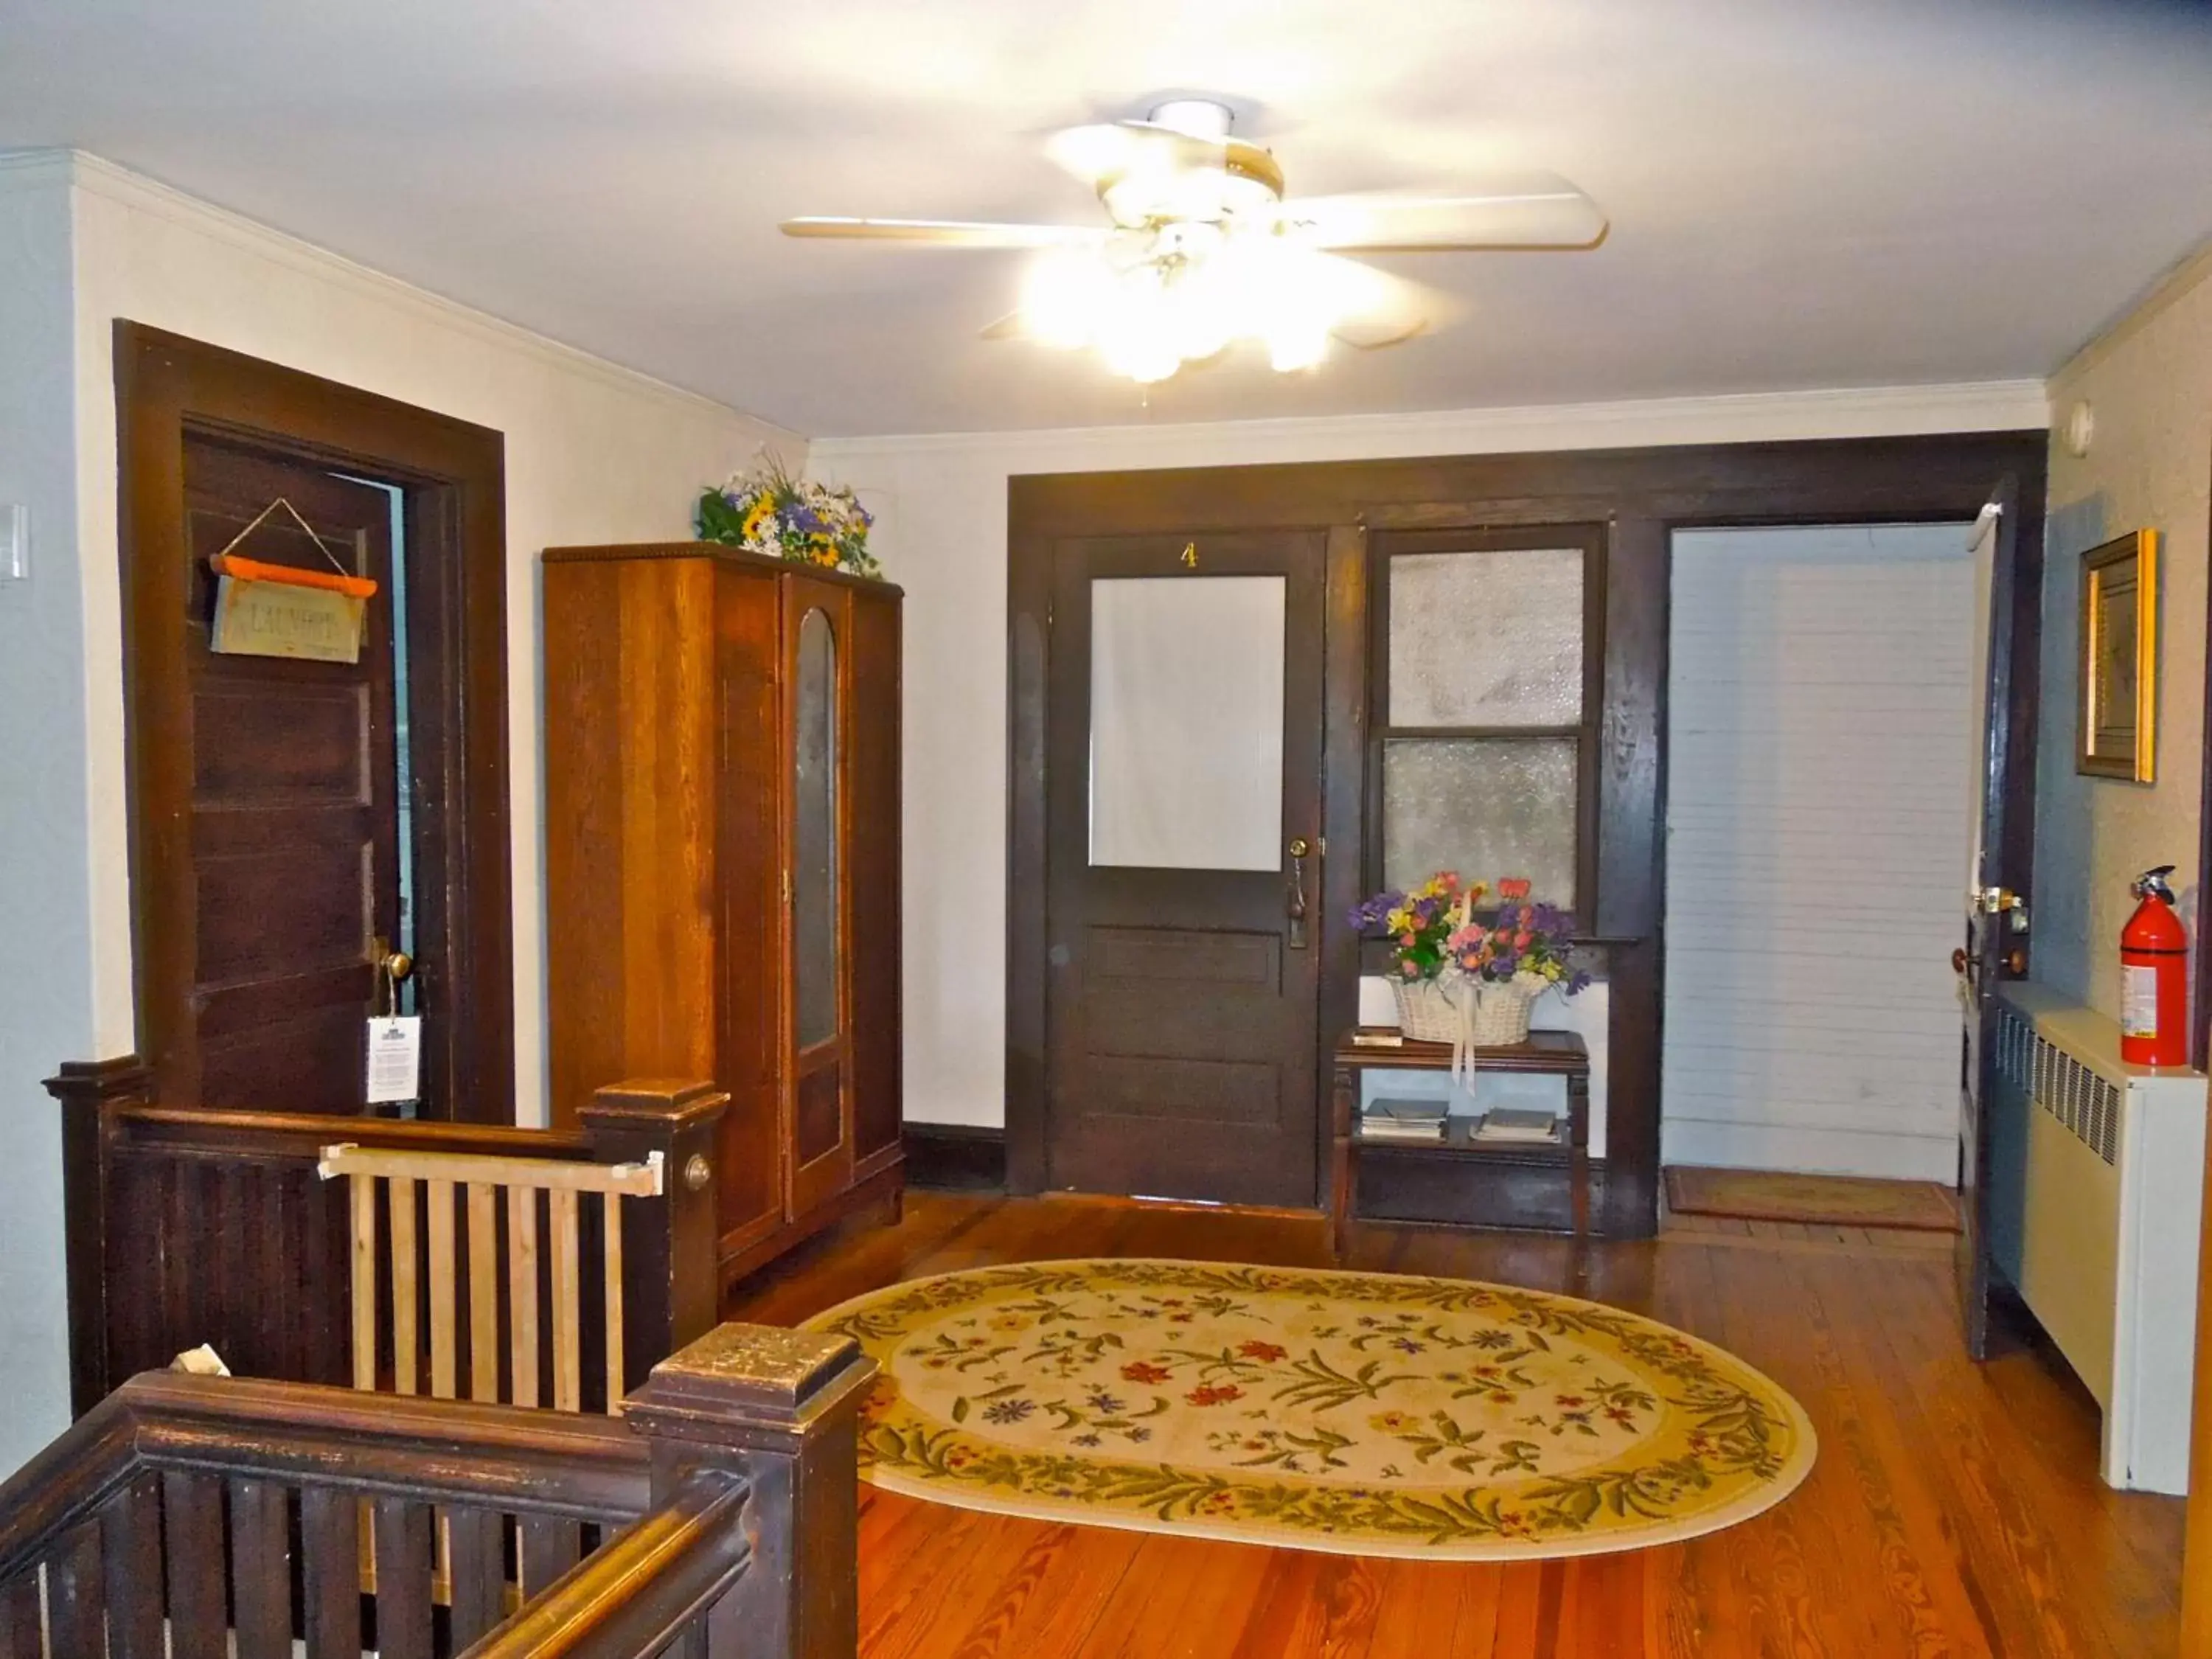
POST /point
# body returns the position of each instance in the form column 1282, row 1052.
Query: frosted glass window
column 1187, row 722
column 1487, row 807
column 1487, row 638
column 814, row 833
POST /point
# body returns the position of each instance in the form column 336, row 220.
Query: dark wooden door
column 1995, row 913
column 817, row 645
column 1183, row 761
column 290, row 849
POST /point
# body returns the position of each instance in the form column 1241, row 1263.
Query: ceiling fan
column 1203, row 248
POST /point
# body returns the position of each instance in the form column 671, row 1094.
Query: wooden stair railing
column 186, row 1227
column 190, row 1517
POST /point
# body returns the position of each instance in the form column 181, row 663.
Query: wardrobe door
column 874, row 872
column 749, row 1178
column 818, row 695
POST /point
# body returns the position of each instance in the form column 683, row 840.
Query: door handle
column 1296, row 910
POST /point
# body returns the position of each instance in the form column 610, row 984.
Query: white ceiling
column 1803, row 193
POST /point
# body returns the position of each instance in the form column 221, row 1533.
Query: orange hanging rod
column 254, row 570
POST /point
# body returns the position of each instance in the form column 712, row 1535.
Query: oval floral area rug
column 1365, row 1413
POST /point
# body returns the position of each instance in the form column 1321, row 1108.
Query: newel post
column 782, row 1409
column 85, row 1090
column 672, row 1267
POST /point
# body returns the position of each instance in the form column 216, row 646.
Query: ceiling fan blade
column 1363, row 334
column 1117, row 149
column 1389, row 309
column 947, row 233
column 1532, row 213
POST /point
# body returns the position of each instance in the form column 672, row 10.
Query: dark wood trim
column 1029, row 633
column 956, row 1158
column 85, row 1089
column 1640, row 496
column 453, row 477
column 2200, row 1030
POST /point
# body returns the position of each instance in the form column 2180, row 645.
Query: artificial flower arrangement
column 770, row 512
column 1442, row 940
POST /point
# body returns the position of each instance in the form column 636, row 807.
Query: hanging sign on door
column 395, row 1058
column 264, row 610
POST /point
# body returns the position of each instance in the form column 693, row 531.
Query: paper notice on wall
column 395, row 1058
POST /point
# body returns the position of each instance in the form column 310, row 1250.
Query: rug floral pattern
column 1363, row 1413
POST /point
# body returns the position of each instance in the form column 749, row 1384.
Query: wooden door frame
column 453, row 475
column 1641, row 496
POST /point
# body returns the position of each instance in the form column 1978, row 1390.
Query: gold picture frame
column 2119, row 659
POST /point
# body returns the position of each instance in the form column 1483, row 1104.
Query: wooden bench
column 1554, row 1054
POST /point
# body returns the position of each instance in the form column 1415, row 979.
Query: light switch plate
column 14, row 544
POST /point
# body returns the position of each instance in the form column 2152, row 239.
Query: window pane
column 1486, row 639
column 1487, row 807
column 1187, row 722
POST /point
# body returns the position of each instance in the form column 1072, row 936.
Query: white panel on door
column 1187, row 722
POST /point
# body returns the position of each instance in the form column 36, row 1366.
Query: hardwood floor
column 1956, row 1509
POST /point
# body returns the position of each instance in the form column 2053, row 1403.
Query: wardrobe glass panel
column 814, row 833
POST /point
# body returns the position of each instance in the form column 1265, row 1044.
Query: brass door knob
column 399, row 964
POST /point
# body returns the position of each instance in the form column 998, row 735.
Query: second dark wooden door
column 1183, row 761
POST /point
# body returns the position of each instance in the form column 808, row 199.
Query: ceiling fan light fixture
column 1063, row 297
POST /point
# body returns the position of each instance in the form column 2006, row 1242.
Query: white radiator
column 2097, row 1179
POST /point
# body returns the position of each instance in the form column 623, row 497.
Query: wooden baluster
column 261, row 1569
column 550, row 1546
column 611, row 1207
column 191, row 1526
column 330, row 1547
column 76, row 1598
column 444, row 1331
column 476, row 1541
column 402, row 1579
column 782, row 1408
column 363, row 1190
column 568, row 1304
column 20, row 1636
column 672, row 1269
column 406, row 1345
column 522, row 1292
column 483, row 1291
column 130, row 1540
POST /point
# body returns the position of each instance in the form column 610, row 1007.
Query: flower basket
column 1426, row 1011
column 1494, row 1014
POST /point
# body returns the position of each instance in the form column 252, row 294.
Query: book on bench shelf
column 1403, row 1120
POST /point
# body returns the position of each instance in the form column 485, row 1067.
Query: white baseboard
column 1809, row 1152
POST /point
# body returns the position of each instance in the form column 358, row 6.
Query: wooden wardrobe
column 722, row 864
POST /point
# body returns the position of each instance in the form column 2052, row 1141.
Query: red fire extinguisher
column 2154, row 977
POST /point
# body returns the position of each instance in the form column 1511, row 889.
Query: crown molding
column 2173, row 285
column 1743, row 417
column 22, row 170
column 141, row 194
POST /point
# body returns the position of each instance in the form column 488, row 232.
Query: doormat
column 1821, row 1200
column 1358, row 1413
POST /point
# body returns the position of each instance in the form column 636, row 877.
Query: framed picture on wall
column 2119, row 659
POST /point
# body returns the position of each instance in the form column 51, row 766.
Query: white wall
column 1819, row 760
column 2148, row 382
column 594, row 452
column 942, row 532
column 45, row 1006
